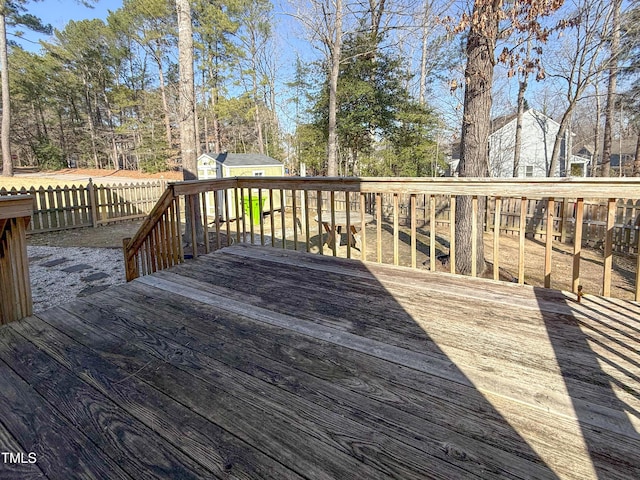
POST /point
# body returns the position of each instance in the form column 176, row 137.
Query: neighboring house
column 224, row 165
column 538, row 136
column 625, row 149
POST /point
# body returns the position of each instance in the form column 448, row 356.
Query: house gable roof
column 242, row 159
column 500, row 122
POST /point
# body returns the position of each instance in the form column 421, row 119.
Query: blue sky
column 59, row 12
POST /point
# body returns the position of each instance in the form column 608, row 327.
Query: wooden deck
column 269, row 364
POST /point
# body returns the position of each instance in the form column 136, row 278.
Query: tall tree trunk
column 557, row 144
column 112, row 132
column 196, row 125
column 336, row 54
column 205, row 113
column 376, row 8
column 474, row 154
column 217, row 137
column 611, row 91
column 425, row 54
column 34, row 112
column 522, row 88
column 596, row 131
column 256, row 112
column 187, row 109
column 63, row 140
column 42, row 119
column 165, row 104
column 217, row 140
column 259, row 133
column 5, row 137
column 92, row 128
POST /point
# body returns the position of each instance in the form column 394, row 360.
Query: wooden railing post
column 15, row 287
column 93, row 203
column 503, row 197
column 130, row 263
column 577, row 245
column 608, row 247
column 548, row 246
column 564, row 220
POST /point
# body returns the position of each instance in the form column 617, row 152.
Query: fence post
column 93, row 204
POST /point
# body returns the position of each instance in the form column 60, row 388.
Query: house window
column 528, row 171
column 258, row 173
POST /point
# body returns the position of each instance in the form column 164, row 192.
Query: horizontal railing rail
column 15, row 288
column 312, row 214
column 593, row 224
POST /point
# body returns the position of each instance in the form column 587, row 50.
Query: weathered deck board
column 396, row 410
column 17, row 471
column 61, row 449
column 262, row 363
column 459, row 339
column 223, row 454
column 238, row 351
column 135, row 446
column 329, row 436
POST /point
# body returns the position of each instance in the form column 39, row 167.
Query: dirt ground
column 591, row 265
column 28, row 177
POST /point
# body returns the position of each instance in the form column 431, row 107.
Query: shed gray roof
column 242, row 159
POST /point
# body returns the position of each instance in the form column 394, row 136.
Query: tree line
column 385, row 91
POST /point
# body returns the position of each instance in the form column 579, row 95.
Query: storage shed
column 225, row 165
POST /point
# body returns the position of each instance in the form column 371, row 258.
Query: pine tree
column 12, row 13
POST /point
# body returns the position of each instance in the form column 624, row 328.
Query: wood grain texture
column 608, row 250
column 506, row 187
column 548, row 244
column 255, row 362
column 136, row 448
column 15, row 290
column 206, row 442
column 302, row 352
column 333, row 446
column 17, row 470
column 577, row 245
column 265, row 354
column 405, row 343
column 62, row 450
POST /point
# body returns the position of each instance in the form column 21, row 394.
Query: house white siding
column 538, row 136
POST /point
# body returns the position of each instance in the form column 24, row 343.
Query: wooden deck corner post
column 130, row 263
column 93, row 203
column 16, row 300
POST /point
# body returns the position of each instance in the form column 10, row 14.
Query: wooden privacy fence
column 15, row 287
column 159, row 242
column 63, row 208
column 593, row 226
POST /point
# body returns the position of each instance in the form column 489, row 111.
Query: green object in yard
column 252, row 210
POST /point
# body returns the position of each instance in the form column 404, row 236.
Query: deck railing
column 15, row 288
column 225, row 206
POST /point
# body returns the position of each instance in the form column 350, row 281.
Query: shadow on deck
column 261, row 363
